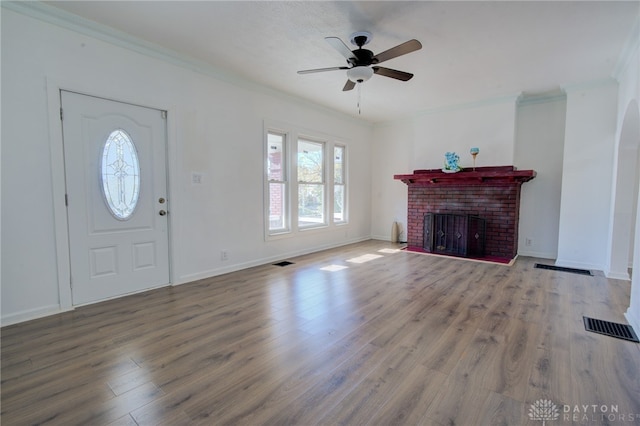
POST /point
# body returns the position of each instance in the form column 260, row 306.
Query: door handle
column 162, row 213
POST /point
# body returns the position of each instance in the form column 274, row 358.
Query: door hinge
column 66, row 200
column 61, row 115
column 164, row 114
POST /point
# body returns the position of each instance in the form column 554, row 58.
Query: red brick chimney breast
column 492, row 193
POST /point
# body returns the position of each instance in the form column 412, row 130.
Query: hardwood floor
column 394, row 338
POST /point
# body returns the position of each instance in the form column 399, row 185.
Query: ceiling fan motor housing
column 362, row 57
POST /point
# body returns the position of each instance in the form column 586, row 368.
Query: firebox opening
column 454, row 234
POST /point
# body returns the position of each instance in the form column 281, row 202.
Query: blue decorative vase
column 451, row 160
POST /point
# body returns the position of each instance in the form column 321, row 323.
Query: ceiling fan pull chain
column 359, row 98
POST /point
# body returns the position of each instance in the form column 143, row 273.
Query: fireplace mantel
column 494, row 175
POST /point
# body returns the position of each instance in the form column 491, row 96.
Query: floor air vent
column 613, row 329
column 283, row 263
column 563, row 269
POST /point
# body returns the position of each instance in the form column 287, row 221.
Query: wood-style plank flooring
column 363, row 334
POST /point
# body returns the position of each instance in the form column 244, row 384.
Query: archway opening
column 626, row 195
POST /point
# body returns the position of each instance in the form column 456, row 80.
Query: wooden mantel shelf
column 500, row 175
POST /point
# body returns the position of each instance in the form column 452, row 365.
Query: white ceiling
column 472, row 51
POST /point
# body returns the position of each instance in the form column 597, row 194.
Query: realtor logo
column 544, row 409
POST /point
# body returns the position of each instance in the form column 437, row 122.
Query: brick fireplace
column 491, row 193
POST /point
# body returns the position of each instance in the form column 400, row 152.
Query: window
column 339, row 184
column 120, row 174
column 278, row 185
column 305, row 182
column 311, row 184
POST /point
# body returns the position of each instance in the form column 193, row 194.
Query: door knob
column 161, row 200
column 162, row 213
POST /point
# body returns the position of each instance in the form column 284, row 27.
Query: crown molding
column 554, row 95
column 69, row 21
column 590, row 85
column 508, row 99
column 58, row 17
column 630, row 48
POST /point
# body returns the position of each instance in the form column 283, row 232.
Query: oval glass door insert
column 120, row 174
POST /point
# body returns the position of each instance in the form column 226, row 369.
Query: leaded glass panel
column 120, row 174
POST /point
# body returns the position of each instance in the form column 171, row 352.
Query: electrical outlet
column 224, row 255
column 528, row 242
column 196, row 178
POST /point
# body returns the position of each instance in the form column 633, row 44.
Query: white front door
column 115, row 169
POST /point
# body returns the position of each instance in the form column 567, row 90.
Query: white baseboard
column 32, row 314
column 45, row 311
column 618, row 275
column 538, row 254
column 577, row 265
column 633, row 320
column 385, row 238
column 184, row 279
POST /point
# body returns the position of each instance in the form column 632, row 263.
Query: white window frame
column 323, row 184
column 292, row 134
column 286, row 193
column 343, row 184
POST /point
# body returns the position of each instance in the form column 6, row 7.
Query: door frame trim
column 59, row 188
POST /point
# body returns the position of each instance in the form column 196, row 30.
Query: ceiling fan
column 362, row 63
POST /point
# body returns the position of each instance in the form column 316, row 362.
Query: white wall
column 587, row 175
column 539, row 145
column 215, row 128
column 628, row 94
column 488, row 126
column 625, row 195
column 632, row 126
column 392, row 149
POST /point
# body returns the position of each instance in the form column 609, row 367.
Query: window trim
column 344, row 185
column 322, row 183
column 292, row 135
column 286, row 175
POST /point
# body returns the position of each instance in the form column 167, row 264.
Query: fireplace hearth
column 489, row 194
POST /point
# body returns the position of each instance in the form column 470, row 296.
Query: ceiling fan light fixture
column 360, row 74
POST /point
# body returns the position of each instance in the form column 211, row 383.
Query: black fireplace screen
column 454, row 234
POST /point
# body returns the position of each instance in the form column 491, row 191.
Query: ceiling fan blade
column 399, row 50
column 339, row 45
column 388, row 72
column 322, row 70
column 349, row 86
